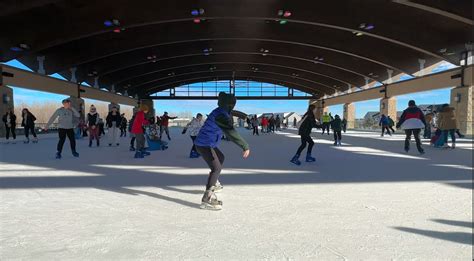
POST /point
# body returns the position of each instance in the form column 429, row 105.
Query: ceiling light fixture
column 356, row 33
column 366, row 26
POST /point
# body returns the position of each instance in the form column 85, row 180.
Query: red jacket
column 264, row 122
column 138, row 123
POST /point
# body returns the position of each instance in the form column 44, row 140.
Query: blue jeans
column 451, row 133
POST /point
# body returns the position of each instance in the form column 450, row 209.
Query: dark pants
column 62, row 138
column 391, row 128
column 214, row 159
column 123, row 132
column 344, row 128
column 140, row 137
column 337, row 135
column 326, row 127
column 451, row 133
column 416, row 134
column 385, row 128
column 12, row 130
column 427, row 133
column 132, row 142
column 305, row 139
column 193, row 148
column 27, row 131
column 255, row 130
column 165, row 129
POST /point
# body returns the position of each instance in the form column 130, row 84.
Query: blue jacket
column 210, row 134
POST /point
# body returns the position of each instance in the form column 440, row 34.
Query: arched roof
column 159, row 45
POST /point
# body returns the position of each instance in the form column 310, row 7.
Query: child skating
column 307, row 124
column 218, row 122
column 336, row 126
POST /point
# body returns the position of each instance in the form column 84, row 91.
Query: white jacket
column 194, row 126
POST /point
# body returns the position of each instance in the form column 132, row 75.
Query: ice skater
column 65, row 115
column 207, row 141
column 326, row 120
column 28, row 122
column 123, row 126
column 412, row 121
column 139, row 122
column 92, row 122
column 164, row 124
column 336, row 126
column 194, row 126
column 307, row 124
column 9, row 119
column 113, row 121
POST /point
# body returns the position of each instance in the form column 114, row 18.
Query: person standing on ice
column 164, row 124
column 139, row 121
column 336, row 126
column 308, row 122
column 207, row 141
column 384, row 122
column 9, row 119
column 123, row 126
column 28, row 122
column 255, row 124
column 412, row 121
column 65, row 115
column 92, row 122
column 113, row 121
column 326, row 120
column 194, row 127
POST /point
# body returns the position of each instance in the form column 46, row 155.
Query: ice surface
column 364, row 200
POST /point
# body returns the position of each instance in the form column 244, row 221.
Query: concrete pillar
column 388, row 106
column 462, row 102
column 40, row 60
column 320, row 109
column 150, row 105
column 6, row 103
column 349, row 115
column 73, row 74
column 422, row 67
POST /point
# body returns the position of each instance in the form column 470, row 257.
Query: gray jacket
column 66, row 118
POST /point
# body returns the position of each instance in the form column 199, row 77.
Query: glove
column 184, row 131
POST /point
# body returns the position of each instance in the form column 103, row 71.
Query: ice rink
column 364, row 200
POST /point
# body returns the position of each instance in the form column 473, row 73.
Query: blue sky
column 431, row 97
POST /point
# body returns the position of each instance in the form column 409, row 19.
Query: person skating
column 384, row 123
column 278, row 123
column 448, row 125
column 255, row 124
column 193, row 127
column 132, row 136
column 391, row 124
column 344, row 125
column 28, row 122
column 164, row 124
column 113, row 121
column 65, row 116
column 326, row 120
column 101, row 127
column 9, row 119
column 412, row 121
column 139, row 122
column 92, row 122
column 336, row 126
column 218, row 122
column 123, row 126
column 308, row 122
column 271, row 124
column 428, row 120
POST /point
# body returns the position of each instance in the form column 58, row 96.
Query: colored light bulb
column 194, row 12
column 287, row 14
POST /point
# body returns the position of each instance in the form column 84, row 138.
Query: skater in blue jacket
column 219, row 121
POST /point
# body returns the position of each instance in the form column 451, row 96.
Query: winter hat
column 143, row 107
column 199, row 115
column 411, row 103
column 226, row 101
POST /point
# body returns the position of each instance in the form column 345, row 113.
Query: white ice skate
column 218, row 187
column 209, row 200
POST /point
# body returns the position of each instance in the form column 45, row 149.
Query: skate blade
column 207, row 206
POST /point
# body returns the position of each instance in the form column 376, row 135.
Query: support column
column 388, row 106
column 6, row 103
column 320, row 109
column 150, row 105
column 462, row 102
column 349, row 115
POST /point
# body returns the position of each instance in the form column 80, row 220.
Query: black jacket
column 111, row 118
column 308, row 124
column 30, row 120
column 12, row 118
